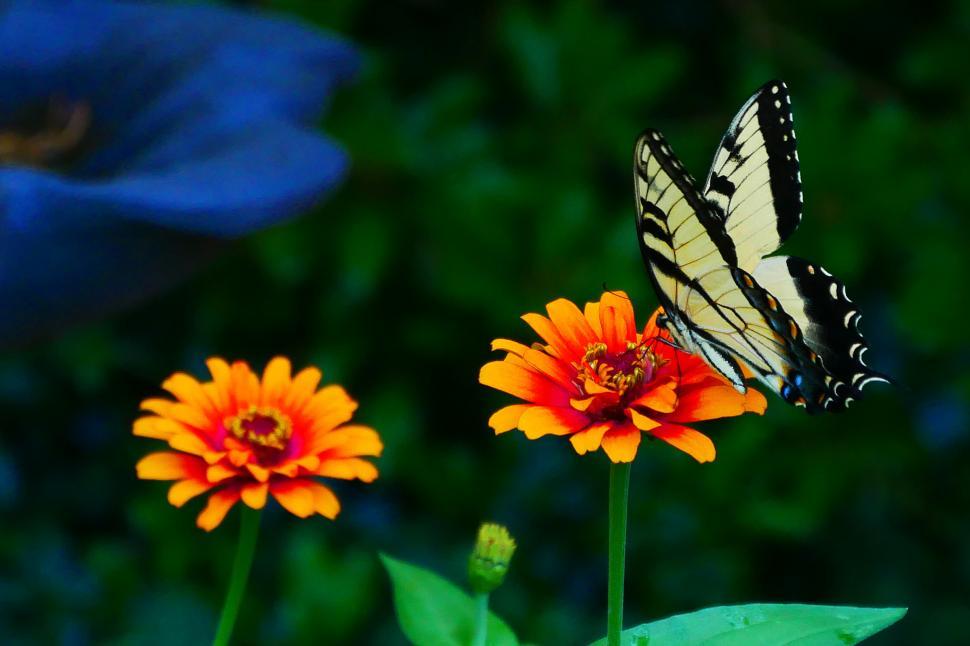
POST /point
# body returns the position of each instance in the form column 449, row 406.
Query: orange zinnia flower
column 602, row 383
column 251, row 438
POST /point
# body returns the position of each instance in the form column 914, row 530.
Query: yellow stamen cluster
column 598, row 367
column 242, row 426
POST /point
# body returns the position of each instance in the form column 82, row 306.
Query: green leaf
column 435, row 612
column 764, row 624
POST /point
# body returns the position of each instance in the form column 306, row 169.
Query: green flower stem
column 619, row 494
column 248, row 533
column 481, row 619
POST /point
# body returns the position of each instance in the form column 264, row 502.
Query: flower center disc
column 265, row 428
column 618, row 371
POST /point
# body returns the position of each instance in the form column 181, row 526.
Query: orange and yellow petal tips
column 597, row 380
column 242, row 437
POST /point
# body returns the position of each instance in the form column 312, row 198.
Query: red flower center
column 264, row 429
column 617, row 371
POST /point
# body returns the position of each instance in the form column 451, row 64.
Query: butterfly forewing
column 677, row 233
column 755, row 182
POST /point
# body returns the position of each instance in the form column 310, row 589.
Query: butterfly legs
column 662, row 323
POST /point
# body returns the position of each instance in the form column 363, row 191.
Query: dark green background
column 491, row 173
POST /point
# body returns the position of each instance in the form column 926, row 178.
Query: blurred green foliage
column 491, row 148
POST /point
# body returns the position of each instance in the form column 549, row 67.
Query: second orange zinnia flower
column 601, row 382
column 248, row 438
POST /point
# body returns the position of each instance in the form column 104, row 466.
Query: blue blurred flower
column 135, row 137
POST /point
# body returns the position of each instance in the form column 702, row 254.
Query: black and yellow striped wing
column 679, row 236
column 755, row 183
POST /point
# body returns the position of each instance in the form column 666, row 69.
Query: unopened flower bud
column 490, row 559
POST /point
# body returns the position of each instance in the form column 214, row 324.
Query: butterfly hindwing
column 734, row 313
column 798, row 375
column 818, row 302
column 754, row 184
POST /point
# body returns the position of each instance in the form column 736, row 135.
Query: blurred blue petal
column 943, row 421
column 202, row 129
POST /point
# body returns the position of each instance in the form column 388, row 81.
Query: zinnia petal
column 348, row 441
column 583, row 404
column 219, row 472
column 662, row 398
column 691, row 370
column 696, row 444
column 573, row 327
column 188, row 415
column 254, row 494
column 216, row 509
column 189, row 442
column 592, row 313
column 184, row 490
column 221, row 379
column 261, row 473
column 620, row 444
column 755, row 402
column 650, row 330
column 549, row 420
column 187, row 390
column 505, row 419
column 168, row 465
column 156, row 405
column 616, row 320
column 554, row 369
column 302, row 388
column 713, row 402
column 296, row 496
column 276, row 380
column 642, row 422
column 330, row 408
column 156, row 427
column 347, row 469
column 589, row 439
column 245, row 384
column 506, row 345
column 522, row 382
column 325, row 502
column 548, row 333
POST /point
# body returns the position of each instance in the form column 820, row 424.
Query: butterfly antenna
column 670, row 343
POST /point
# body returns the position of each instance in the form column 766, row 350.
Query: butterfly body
column 783, row 320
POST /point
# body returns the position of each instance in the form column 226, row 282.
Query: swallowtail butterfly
column 786, row 321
